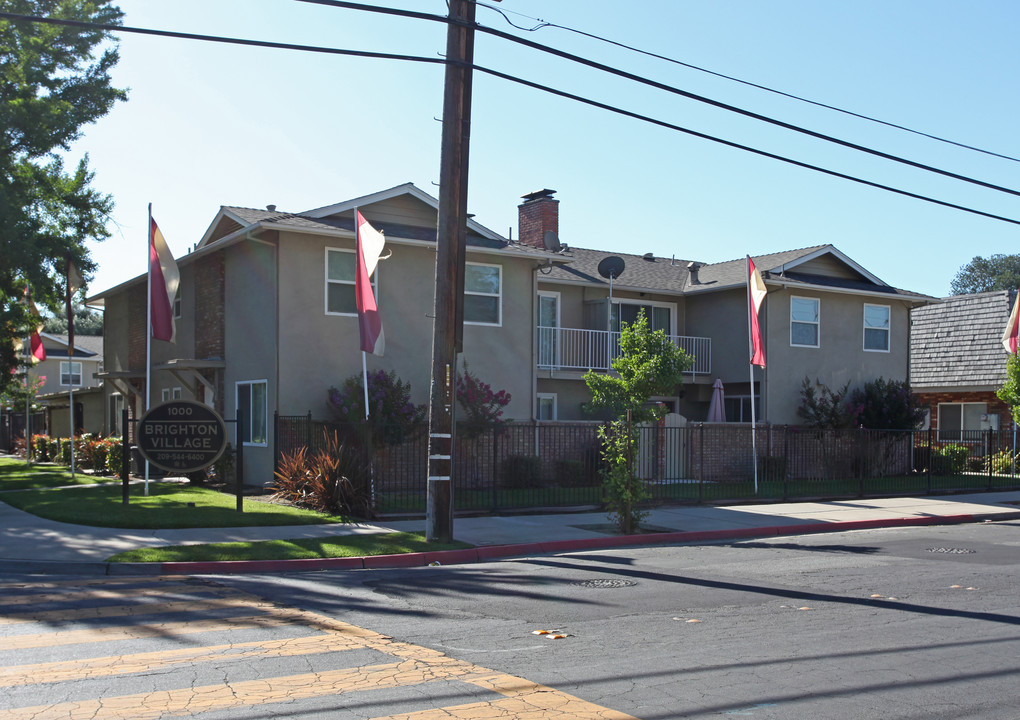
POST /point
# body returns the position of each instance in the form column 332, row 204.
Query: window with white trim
column 960, row 421
column 804, row 321
column 70, row 374
column 660, row 315
column 252, row 405
column 876, row 328
column 341, row 275
column 546, row 406
column 738, row 408
column 483, row 294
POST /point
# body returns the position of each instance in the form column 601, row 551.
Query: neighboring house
column 958, row 362
column 266, row 321
column 63, row 372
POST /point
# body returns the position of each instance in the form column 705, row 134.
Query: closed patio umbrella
column 717, row 407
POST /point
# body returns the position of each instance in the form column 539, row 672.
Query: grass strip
column 167, row 506
column 326, row 547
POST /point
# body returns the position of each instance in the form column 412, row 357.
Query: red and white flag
column 756, row 295
column 164, row 277
column 35, row 341
column 1011, row 335
column 370, row 246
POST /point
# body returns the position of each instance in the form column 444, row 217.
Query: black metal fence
column 12, row 427
column 558, row 465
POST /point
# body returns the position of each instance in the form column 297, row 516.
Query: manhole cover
column 604, row 583
column 952, row 551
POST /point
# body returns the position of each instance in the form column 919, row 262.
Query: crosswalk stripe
column 93, row 668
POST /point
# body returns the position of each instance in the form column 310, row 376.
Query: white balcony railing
column 573, row 349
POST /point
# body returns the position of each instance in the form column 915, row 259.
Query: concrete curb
column 482, row 553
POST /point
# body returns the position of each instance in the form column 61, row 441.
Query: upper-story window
column 340, row 279
column 804, row 320
column 483, row 294
column 70, row 374
column 876, row 328
column 659, row 315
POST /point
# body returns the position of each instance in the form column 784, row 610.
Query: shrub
column 53, row 449
column 949, row 459
column 65, row 451
column 40, row 446
column 392, row 415
column 824, row 408
column 886, row 405
column 115, row 456
column 1005, row 463
column 333, row 480
column 483, row 408
column 83, row 446
column 522, row 471
column 571, row 473
column 99, row 450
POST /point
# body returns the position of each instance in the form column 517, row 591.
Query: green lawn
column 16, row 474
column 340, row 546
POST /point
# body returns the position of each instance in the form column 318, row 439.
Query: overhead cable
column 504, row 76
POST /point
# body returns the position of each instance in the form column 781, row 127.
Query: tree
column 54, row 80
column 649, row 364
column 998, row 272
column 86, row 322
column 1009, row 393
column 824, row 408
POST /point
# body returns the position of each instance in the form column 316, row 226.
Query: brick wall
column 994, row 405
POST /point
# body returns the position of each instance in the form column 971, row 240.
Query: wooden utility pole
column 451, row 234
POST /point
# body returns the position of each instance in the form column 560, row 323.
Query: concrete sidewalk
column 32, row 544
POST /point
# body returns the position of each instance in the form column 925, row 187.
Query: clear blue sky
column 208, row 125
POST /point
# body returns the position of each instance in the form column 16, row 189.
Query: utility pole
column 451, row 234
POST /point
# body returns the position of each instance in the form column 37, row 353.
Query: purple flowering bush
column 885, row 405
column 392, row 415
column 483, row 408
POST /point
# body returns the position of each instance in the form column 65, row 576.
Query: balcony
column 573, row 349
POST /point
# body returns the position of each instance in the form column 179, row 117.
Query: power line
column 509, row 78
column 544, row 24
column 671, row 89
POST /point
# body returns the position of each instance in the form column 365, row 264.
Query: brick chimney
column 537, row 215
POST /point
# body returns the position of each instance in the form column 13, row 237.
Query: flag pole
column 28, row 414
column 148, row 328
column 70, row 355
column 357, row 259
column 750, row 366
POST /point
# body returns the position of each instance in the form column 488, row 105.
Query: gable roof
column 85, row 346
column 958, row 342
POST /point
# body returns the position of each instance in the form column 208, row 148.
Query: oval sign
column 181, row 436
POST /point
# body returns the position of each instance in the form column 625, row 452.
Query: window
column 252, row 407
column 171, row 394
column 960, row 421
column 116, row 408
column 483, row 287
column 876, row 328
column 659, row 316
column 177, row 304
column 546, row 406
column 70, row 374
column 804, row 321
column 340, row 279
column 548, row 325
column 738, row 408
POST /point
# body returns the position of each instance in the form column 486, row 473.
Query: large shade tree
column 54, row 80
column 996, row 272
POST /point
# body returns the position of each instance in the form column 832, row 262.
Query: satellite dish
column 611, row 267
column 551, row 241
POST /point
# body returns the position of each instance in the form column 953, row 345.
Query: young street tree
column 649, row 364
column 1009, row 393
column 997, row 272
column 54, row 80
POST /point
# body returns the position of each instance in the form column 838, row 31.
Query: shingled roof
column 957, row 343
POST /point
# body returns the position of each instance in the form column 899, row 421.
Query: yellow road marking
column 108, row 611
column 189, row 701
column 93, row 668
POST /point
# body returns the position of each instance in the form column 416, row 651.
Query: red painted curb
column 237, row 566
column 450, row 557
column 487, row 552
column 394, row 561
